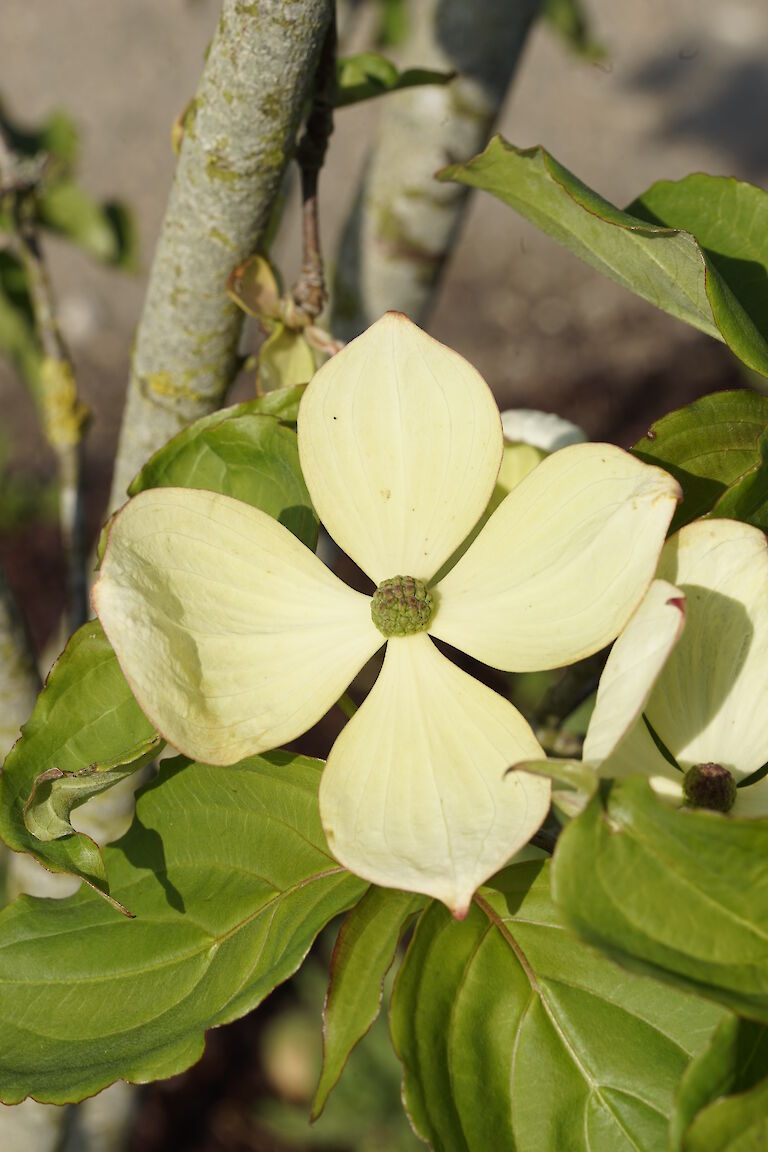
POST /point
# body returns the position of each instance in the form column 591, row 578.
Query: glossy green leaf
column 368, row 74
column 230, row 879
column 86, row 732
column 714, row 448
column 735, row 1060
column 516, row 1035
column 700, row 915
column 666, row 265
column 732, row 1124
column 246, row 452
column 729, row 219
column 364, row 952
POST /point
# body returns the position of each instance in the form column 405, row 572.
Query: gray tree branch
column 240, row 132
column 403, row 222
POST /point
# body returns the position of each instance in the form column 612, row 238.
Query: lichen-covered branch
column 403, row 222
column 63, row 416
column 239, row 133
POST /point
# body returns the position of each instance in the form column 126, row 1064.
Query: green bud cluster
column 710, row 786
column 402, row 605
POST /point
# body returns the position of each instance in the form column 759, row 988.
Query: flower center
column 710, row 786
column 402, row 605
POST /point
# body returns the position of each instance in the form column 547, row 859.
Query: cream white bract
column 236, row 639
column 693, row 663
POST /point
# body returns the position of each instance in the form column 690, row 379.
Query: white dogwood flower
column 682, row 699
column 236, row 639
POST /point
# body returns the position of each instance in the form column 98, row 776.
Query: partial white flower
column 529, row 436
column 682, row 699
column 542, row 430
column 236, row 639
column 706, row 703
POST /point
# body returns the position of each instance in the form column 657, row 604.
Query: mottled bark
column 239, row 133
column 403, row 222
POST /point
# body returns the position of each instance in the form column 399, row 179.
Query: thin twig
column 309, row 293
column 63, row 414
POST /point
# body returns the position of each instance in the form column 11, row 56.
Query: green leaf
column 104, row 231
column 364, row 952
column 666, row 265
column 729, row 219
column 698, row 917
column 86, row 732
column 230, row 878
column 245, row 453
column 733, row 1124
column 368, row 74
column 285, row 359
column 734, row 1061
column 516, row 1035
column 714, row 448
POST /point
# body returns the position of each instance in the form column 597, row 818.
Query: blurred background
column 677, row 86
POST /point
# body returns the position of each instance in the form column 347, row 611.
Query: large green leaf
column 664, row 262
column 246, row 452
column 229, row 876
column 86, row 732
column 364, row 952
column 735, row 1060
column 516, row 1035
column 368, row 74
column 732, row 1124
column 715, row 449
column 681, row 893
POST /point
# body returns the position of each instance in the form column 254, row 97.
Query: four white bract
column 236, row 639
column 691, row 669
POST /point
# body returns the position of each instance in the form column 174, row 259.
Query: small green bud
column 402, row 605
column 710, row 786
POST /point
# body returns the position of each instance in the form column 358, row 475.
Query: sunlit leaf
column 665, row 261
column 714, row 448
column 230, row 879
column 285, row 359
column 254, row 287
column 368, row 74
column 246, row 452
column 516, row 1035
column 699, row 915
